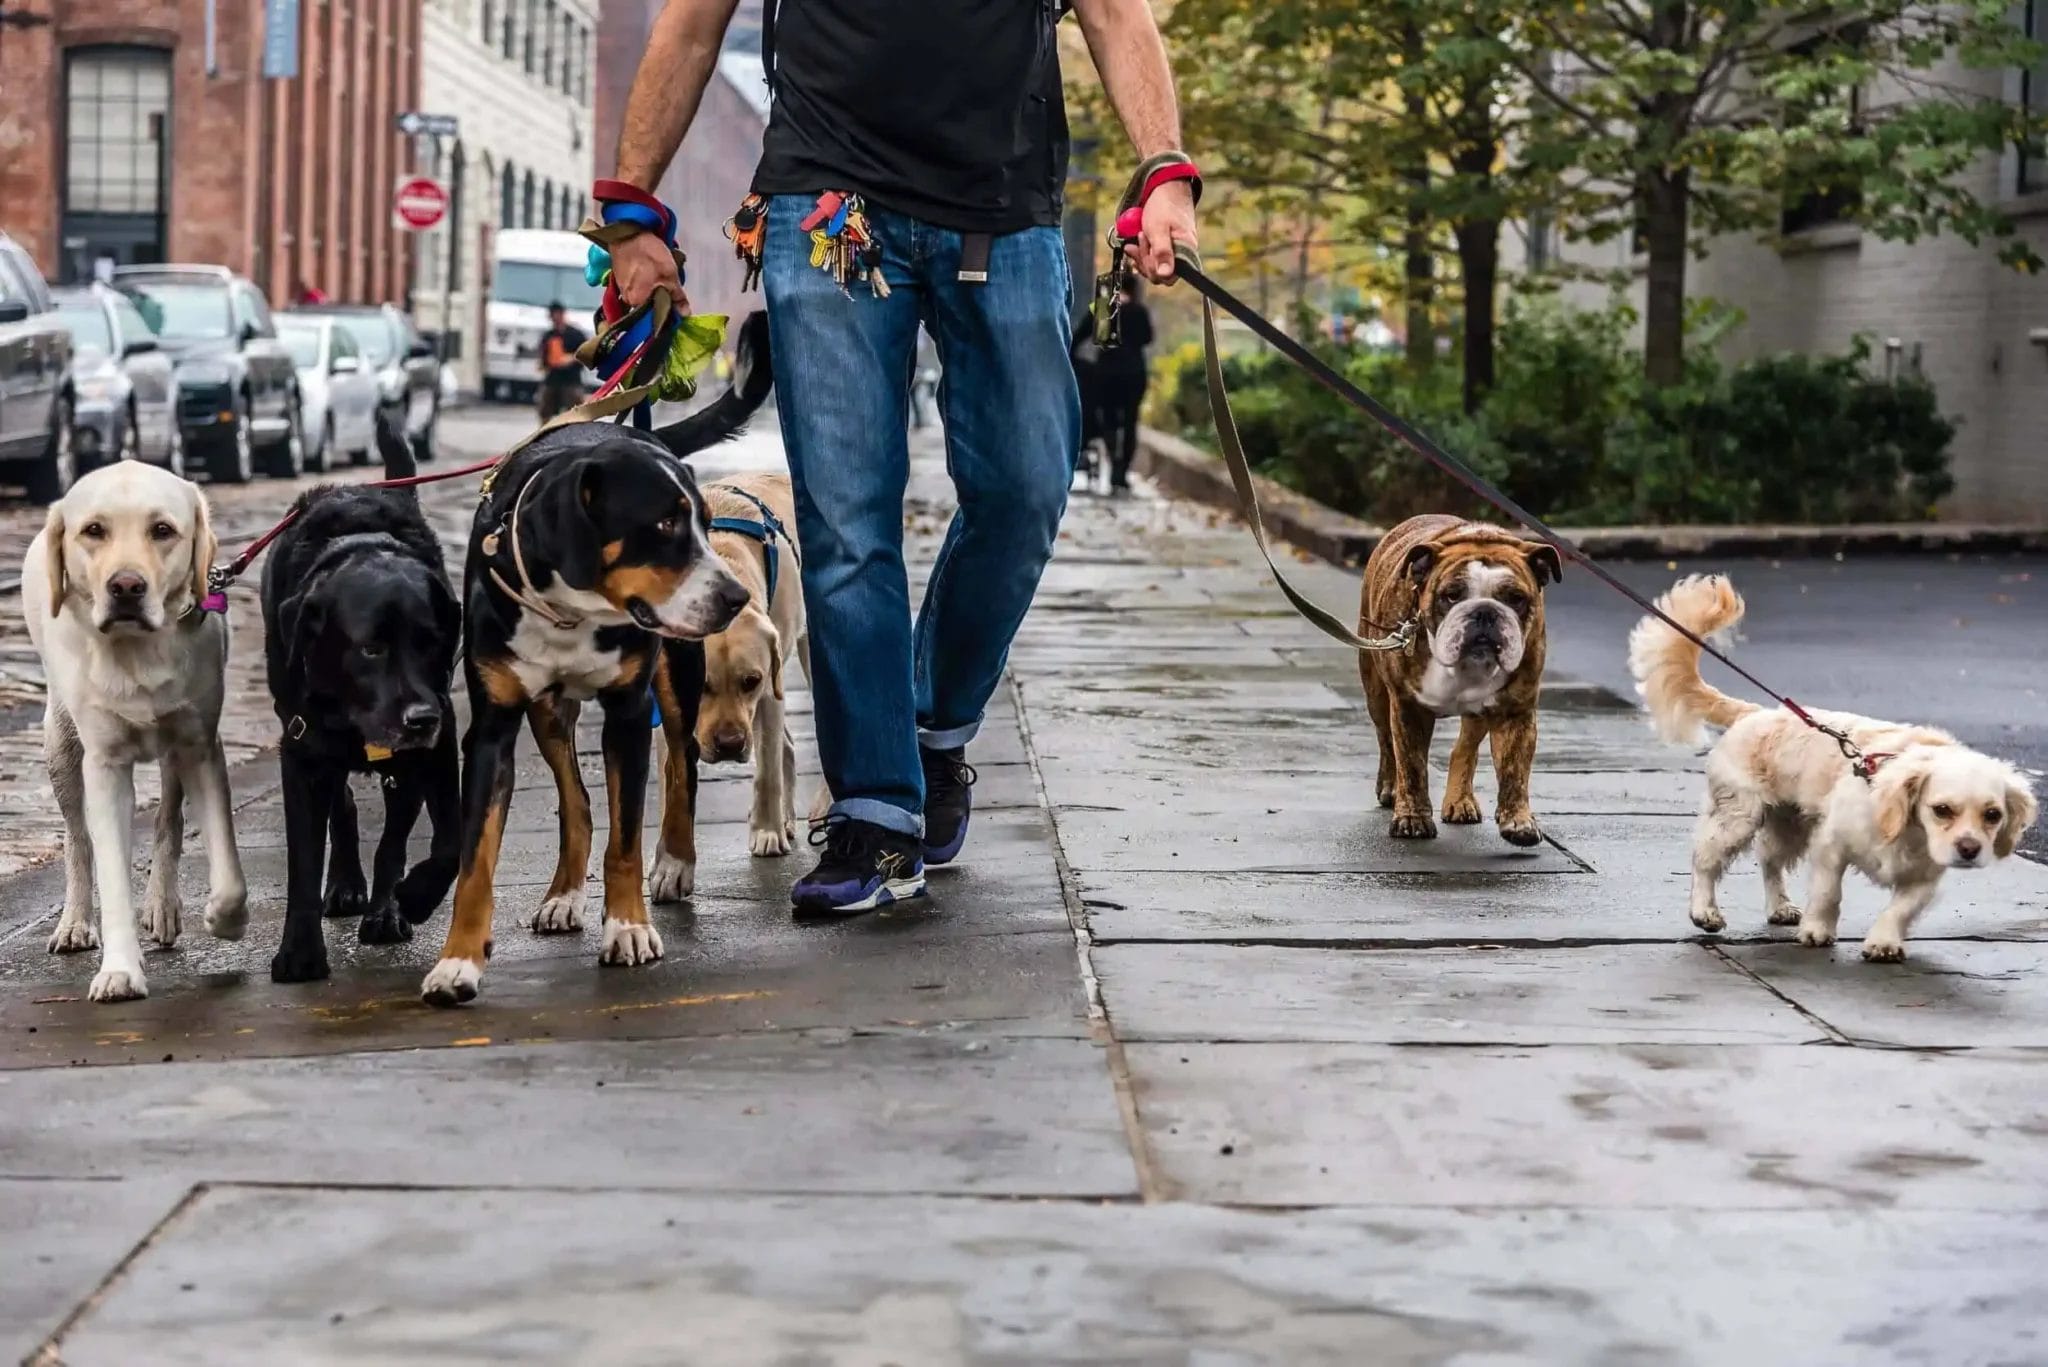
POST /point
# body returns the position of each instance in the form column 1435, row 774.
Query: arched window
column 508, row 190
column 117, row 104
column 526, row 197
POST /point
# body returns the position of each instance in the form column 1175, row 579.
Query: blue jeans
column 1012, row 415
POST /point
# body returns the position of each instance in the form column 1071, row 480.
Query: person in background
column 1120, row 384
column 307, row 295
column 1087, row 356
column 561, row 386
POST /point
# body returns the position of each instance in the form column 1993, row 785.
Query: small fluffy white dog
column 111, row 588
column 1933, row 804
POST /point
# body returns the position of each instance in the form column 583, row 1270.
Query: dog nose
column 1969, row 848
column 127, row 586
column 419, row 718
column 728, row 742
column 732, row 596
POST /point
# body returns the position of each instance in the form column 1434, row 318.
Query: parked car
column 408, row 374
column 35, row 380
column 338, row 394
column 124, row 389
column 238, row 392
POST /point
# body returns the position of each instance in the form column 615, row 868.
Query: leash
column 1174, row 166
column 769, row 531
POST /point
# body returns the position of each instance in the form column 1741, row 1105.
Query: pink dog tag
column 216, row 601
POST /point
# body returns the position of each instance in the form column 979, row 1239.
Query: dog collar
column 524, row 594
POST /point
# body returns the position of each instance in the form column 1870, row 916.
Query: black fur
column 361, row 628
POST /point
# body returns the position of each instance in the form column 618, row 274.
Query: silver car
column 124, row 391
column 337, row 390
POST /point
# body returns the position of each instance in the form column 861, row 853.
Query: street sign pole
column 453, row 227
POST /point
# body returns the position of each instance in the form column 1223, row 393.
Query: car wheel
column 57, row 471
column 288, row 458
column 322, row 450
column 235, row 461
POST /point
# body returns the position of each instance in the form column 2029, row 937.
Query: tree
column 1676, row 120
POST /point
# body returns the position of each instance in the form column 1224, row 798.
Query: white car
column 337, row 391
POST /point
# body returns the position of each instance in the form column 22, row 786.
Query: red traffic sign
column 420, row 203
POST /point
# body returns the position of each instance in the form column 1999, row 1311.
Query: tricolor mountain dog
column 590, row 575
column 361, row 627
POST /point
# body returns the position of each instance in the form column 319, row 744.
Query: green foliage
column 1573, row 432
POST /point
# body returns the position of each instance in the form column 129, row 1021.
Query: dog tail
column 726, row 416
column 399, row 462
column 1666, row 666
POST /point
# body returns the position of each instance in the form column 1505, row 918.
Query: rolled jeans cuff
column 879, row 813
column 950, row 739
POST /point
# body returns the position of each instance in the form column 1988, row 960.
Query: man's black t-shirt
column 558, row 353
column 947, row 110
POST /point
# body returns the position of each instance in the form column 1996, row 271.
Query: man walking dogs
column 912, row 171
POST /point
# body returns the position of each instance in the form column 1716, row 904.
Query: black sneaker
column 863, row 866
column 948, row 799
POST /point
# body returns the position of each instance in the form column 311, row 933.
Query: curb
column 1186, row 471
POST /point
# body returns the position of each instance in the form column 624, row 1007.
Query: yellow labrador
column 753, row 525
column 111, row 588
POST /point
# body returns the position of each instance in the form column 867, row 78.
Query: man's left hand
column 1169, row 218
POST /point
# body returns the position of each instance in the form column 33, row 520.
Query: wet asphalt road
column 1959, row 642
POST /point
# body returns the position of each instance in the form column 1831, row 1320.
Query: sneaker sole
column 889, row 893
column 946, row 854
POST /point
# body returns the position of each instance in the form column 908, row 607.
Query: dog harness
column 768, row 530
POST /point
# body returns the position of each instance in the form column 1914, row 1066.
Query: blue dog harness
column 769, row 531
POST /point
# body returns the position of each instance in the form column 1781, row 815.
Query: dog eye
column 668, row 526
column 163, row 531
column 1942, row 811
column 92, row 531
column 1451, row 593
column 1514, row 600
column 751, row 682
column 1992, row 816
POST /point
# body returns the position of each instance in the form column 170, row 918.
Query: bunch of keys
column 843, row 244
column 1109, row 291
column 747, row 230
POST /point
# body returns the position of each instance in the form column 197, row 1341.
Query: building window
column 1837, row 198
column 526, row 198
column 582, row 72
column 549, row 28
column 2033, row 153
column 116, row 156
column 488, row 27
column 532, row 23
column 510, row 45
column 508, row 191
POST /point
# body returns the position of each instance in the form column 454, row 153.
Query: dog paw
column 1883, row 949
column 1709, row 919
column 1521, row 831
column 227, row 914
column 1785, row 914
column 301, row 963
column 1386, row 797
column 73, row 937
column 162, row 914
column 671, row 880
column 113, row 984
column 421, row 890
column 561, row 914
column 768, row 841
column 1461, row 811
column 343, row 901
column 451, row 982
column 1816, row 936
column 1412, row 828
column 627, row 944
column 384, row 925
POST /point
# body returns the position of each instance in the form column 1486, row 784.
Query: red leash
column 218, row 579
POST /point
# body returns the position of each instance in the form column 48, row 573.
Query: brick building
column 143, row 130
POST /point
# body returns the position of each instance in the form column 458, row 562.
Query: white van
column 530, row 269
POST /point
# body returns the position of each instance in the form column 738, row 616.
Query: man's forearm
column 1124, row 40
column 681, row 52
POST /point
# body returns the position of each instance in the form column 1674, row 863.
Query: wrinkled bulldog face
column 1480, row 601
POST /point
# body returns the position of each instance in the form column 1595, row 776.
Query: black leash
column 1188, row 266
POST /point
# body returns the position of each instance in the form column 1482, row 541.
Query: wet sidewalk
column 1187, row 1061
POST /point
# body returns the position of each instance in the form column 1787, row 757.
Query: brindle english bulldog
column 1476, row 594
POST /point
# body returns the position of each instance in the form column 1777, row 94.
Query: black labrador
column 361, row 628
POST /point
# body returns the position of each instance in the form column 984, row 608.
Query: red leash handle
column 1161, row 170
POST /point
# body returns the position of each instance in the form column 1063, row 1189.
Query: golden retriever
column 1932, row 805
column 742, row 714
column 136, row 670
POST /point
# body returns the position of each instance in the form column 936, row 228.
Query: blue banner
column 281, row 38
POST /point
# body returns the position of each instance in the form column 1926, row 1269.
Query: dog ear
column 1896, row 789
column 558, row 527
column 1421, row 560
column 1544, row 562
column 53, row 554
column 2020, row 811
column 205, row 546
column 302, row 620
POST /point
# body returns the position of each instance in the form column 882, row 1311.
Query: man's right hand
column 642, row 262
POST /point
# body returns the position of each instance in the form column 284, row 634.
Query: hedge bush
column 1572, row 432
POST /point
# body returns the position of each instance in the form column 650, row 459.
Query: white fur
column 629, row 943
column 562, row 915
column 1933, row 804
column 672, row 879
column 452, row 980
column 1452, row 685
column 544, row 655
column 121, row 696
